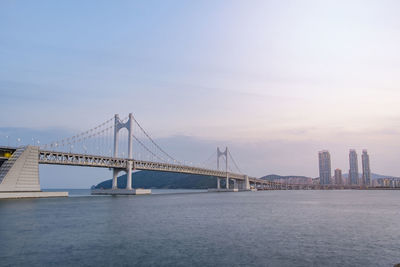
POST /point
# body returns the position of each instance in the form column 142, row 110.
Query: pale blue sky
column 276, row 80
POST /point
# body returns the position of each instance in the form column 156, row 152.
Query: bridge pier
column 246, row 182
column 118, row 125
column 114, row 181
column 129, row 175
column 244, row 186
column 237, row 185
column 240, row 184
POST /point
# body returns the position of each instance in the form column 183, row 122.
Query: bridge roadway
column 73, row 159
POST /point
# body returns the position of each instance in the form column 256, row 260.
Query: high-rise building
column 353, row 172
column 366, row 172
column 324, row 167
column 338, row 176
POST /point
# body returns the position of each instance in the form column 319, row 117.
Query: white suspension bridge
column 120, row 145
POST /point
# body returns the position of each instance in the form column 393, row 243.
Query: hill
column 272, row 177
column 168, row 180
column 292, row 179
column 165, row 180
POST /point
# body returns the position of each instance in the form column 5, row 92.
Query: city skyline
column 353, row 175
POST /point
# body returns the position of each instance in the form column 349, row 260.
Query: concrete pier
column 41, row 194
column 138, row 191
column 19, row 175
column 223, row 190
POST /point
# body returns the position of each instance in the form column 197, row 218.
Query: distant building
column 325, row 172
column 389, row 182
column 338, row 176
column 353, row 172
column 366, row 172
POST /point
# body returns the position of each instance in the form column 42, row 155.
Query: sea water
column 168, row 228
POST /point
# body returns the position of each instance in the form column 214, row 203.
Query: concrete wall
column 24, row 173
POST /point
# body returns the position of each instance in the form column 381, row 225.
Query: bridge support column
column 129, row 175
column 218, row 183
column 114, row 181
column 241, row 185
column 246, row 182
column 227, row 181
column 129, row 126
column 118, row 125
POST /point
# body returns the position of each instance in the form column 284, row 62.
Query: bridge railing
column 64, row 158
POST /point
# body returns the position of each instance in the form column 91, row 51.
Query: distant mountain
column 292, row 179
column 277, row 177
column 168, row 180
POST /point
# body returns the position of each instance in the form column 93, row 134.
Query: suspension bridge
column 121, row 145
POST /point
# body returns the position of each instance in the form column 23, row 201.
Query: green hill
column 168, row 180
column 272, row 177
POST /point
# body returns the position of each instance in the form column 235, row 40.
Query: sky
column 276, row 81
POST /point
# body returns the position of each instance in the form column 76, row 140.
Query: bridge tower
column 118, row 125
column 225, row 154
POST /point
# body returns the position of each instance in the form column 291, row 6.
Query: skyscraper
column 366, row 175
column 353, row 172
column 324, row 167
column 338, row 176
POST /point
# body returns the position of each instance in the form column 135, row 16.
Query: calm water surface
column 270, row 228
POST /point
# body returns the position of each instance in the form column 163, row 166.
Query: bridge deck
column 63, row 158
column 74, row 159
